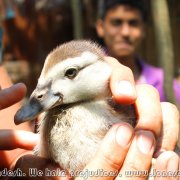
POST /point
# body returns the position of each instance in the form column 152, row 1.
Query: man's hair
column 105, row 5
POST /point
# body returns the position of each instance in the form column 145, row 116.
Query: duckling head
column 73, row 73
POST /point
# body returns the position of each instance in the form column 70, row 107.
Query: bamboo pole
column 164, row 42
column 77, row 18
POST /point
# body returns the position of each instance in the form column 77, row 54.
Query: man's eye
column 116, row 22
column 134, row 23
column 71, row 72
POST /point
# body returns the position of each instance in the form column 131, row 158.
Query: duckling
column 73, row 92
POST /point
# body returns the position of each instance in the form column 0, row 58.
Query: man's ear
column 100, row 28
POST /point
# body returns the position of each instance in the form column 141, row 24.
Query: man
column 121, row 25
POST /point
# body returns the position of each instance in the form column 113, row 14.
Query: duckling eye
column 71, row 72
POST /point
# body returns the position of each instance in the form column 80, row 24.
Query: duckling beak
column 36, row 105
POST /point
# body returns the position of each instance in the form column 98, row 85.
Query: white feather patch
column 85, row 59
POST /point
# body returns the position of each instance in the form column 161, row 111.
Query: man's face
column 122, row 30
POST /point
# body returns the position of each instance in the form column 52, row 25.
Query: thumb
column 112, row 152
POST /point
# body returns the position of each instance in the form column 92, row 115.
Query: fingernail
column 125, row 88
column 145, row 141
column 173, row 164
column 123, row 135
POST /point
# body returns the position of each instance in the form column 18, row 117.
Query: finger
column 139, row 157
column 39, row 168
column 170, row 131
column 122, row 82
column 12, row 95
column 148, row 109
column 11, row 139
column 166, row 166
column 112, row 152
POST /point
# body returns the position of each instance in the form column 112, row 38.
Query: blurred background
column 32, row 28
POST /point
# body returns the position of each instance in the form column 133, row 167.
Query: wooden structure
column 33, row 33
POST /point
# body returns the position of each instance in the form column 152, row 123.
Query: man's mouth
column 123, row 45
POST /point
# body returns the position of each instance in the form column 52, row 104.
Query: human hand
column 133, row 159
column 122, row 153
column 160, row 118
column 148, row 122
column 125, row 91
column 11, row 138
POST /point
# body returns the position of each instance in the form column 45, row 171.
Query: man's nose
column 125, row 30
